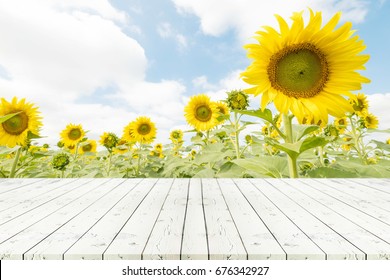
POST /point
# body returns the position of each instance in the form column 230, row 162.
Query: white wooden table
column 194, row 219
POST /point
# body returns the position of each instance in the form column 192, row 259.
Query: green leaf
column 7, row 117
column 212, row 153
column 205, row 173
column 329, row 172
column 230, row 170
column 31, row 135
column 381, row 145
column 363, row 170
column 6, row 151
column 295, row 149
column 275, row 167
column 302, row 130
column 265, row 115
column 312, row 142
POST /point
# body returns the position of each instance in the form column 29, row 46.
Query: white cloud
column 166, row 31
column 56, row 54
column 218, row 90
column 247, row 16
column 379, row 106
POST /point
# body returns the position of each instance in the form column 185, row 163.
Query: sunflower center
column 87, row 148
column 144, row 129
column 17, row 124
column 203, row 113
column 175, row 135
column 299, row 70
column 358, row 106
column 74, row 134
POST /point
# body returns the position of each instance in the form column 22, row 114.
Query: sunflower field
column 318, row 128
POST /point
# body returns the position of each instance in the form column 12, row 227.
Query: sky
column 103, row 63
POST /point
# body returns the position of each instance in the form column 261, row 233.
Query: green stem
column 76, row 152
column 16, row 159
column 109, row 164
column 321, row 154
column 139, row 161
column 237, row 135
column 292, row 162
column 356, row 137
column 243, row 150
column 62, row 174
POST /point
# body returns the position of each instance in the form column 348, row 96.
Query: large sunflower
column 14, row 131
column 72, row 134
column 306, row 69
column 201, row 113
column 141, row 130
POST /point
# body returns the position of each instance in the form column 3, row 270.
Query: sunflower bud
column 237, row 100
column 331, row 131
column 60, row 161
column 109, row 140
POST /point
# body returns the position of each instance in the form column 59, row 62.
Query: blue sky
column 103, row 63
column 216, row 56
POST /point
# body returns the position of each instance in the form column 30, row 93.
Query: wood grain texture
column 194, row 218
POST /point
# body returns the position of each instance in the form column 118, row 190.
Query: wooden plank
column 334, row 245
column 361, row 200
column 224, row 241
column 374, row 195
column 294, row 242
column 374, row 186
column 93, row 243
column 19, row 223
column 373, row 246
column 53, row 246
column 371, row 224
column 33, row 194
column 55, row 190
column 165, row 239
column 131, row 240
column 382, row 185
column 194, row 245
column 258, row 240
column 16, row 246
column 7, row 185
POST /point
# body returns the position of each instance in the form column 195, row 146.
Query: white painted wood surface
column 194, row 219
column 194, row 244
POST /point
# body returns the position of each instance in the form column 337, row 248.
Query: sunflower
column 306, row 69
column 158, row 147
column 72, row 134
column 348, row 144
column 265, row 130
column 176, row 136
column 109, row 140
column 237, row 100
column 201, row 113
column 141, row 130
column 359, row 104
column 341, row 124
column 370, row 121
column 122, row 147
column 223, row 110
column 388, row 141
column 71, row 149
column 14, row 131
column 88, row 146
